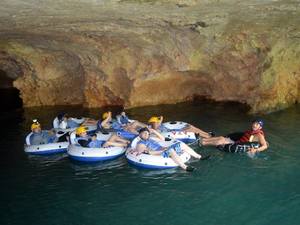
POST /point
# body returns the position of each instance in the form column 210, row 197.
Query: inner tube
column 186, row 137
column 175, row 125
column 238, row 147
column 84, row 154
column 176, row 131
column 45, row 149
column 153, row 161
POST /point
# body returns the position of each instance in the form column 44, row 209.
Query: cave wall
column 132, row 53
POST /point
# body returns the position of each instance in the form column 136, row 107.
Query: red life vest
column 248, row 134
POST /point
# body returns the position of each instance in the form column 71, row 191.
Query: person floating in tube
column 109, row 124
column 152, row 147
column 251, row 141
column 85, row 140
column 40, row 136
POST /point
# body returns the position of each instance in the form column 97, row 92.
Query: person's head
column 81, row 131
column 36, row 126
column 94, row 136
column 123, row 113
column 106, row 115
column 144, row 133
column 61, row 116
column 154, row 122
column 257, row 124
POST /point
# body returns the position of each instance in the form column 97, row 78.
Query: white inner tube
column 94, row 154
column 175, row 125
column 153, row 161
column 44, row 148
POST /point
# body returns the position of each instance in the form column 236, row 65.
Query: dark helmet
column 259, row 121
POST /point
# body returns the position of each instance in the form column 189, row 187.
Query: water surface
column 227, row 189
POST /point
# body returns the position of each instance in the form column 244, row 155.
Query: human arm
column 161, row 118
column 141, row 148
column 152, row 131
column 263, row 144
column 106, row 122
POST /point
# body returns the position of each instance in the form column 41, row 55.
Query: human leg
column 197, row 130
column 216, row 141
column 114, row 144
column 138, row 124
column 189, row 150
column 177, row 159
column 130, row 128
column 89, row 122
column 116, row 138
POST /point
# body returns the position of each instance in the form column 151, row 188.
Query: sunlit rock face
column 135, row 53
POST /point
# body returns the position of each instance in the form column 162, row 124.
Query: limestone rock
column 134, row 53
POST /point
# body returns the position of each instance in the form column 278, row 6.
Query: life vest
column 248, row 134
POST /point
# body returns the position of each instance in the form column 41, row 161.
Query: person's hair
column 61, row 115
column 143, row 129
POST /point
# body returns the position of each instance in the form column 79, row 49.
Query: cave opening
column 9, row 95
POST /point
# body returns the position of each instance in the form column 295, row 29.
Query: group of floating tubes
column 57, row 147
column 85, row 154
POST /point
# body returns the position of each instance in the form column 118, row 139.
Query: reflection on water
column 45, row 160
column 82, row 168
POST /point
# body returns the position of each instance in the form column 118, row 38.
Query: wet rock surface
column 135, row 53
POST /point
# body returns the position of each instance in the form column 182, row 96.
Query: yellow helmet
column 81, row 130
column 154, row 119
column 105, row 115
column 35, row 125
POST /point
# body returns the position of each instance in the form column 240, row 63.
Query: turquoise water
column 226, row 189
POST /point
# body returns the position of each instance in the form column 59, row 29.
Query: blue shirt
column 151, row 144
column 124, row 120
